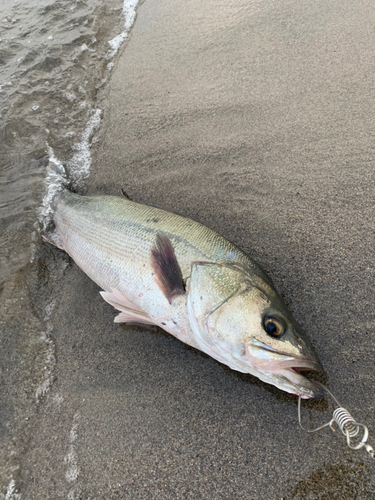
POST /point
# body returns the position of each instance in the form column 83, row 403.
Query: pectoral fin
column 166, row 268
column 130, row 313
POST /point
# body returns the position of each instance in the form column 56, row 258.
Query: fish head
column 239, row 319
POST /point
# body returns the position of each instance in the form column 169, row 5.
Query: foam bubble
column 129, row 11
column 79, row 165
column 11, row 493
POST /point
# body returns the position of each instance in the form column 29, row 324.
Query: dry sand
column 257, row 119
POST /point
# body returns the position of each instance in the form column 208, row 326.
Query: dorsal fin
column 166, row 268
column 125, row 194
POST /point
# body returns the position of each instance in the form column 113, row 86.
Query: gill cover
column 215, row 289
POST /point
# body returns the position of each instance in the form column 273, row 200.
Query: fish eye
column 273, row 326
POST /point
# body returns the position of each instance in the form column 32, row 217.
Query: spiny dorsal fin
column 125, row 194
column 166, row 268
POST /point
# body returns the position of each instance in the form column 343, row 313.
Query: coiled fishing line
column 346, row 423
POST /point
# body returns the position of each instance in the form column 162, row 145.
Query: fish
column 160, row 268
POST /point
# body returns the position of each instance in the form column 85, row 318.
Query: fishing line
column 348, row 426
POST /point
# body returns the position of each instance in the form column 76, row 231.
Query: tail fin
column 56, row 183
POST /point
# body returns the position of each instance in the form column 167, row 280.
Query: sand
column 257, row 119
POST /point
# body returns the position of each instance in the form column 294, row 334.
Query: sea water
column 54, row 56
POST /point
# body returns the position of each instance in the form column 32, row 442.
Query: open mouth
column 287, row 369
column 303, row 386
column 299, row 365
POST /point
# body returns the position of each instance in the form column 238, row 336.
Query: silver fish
column 160, row 268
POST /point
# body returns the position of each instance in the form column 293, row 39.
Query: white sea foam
column 69, row 96
column 79, row 165
column 5, row 84
column 129, row 11
column 11, row 494
column 49, row 309
column 43, row 388
column 49, row 354
column 71, row 460
column 79, row 51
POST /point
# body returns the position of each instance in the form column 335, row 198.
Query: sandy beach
column 256, row 119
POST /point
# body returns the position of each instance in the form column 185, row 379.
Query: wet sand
column 257, row 119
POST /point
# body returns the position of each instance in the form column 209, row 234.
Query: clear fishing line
column 346, row 423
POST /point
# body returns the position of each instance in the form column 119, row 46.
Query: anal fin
column 130, row 313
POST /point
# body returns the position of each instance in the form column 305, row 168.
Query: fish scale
column 128, row 228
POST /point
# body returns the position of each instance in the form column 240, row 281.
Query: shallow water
column 54, row 56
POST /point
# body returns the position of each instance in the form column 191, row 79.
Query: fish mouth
column 300, row 385
column 285, row 370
